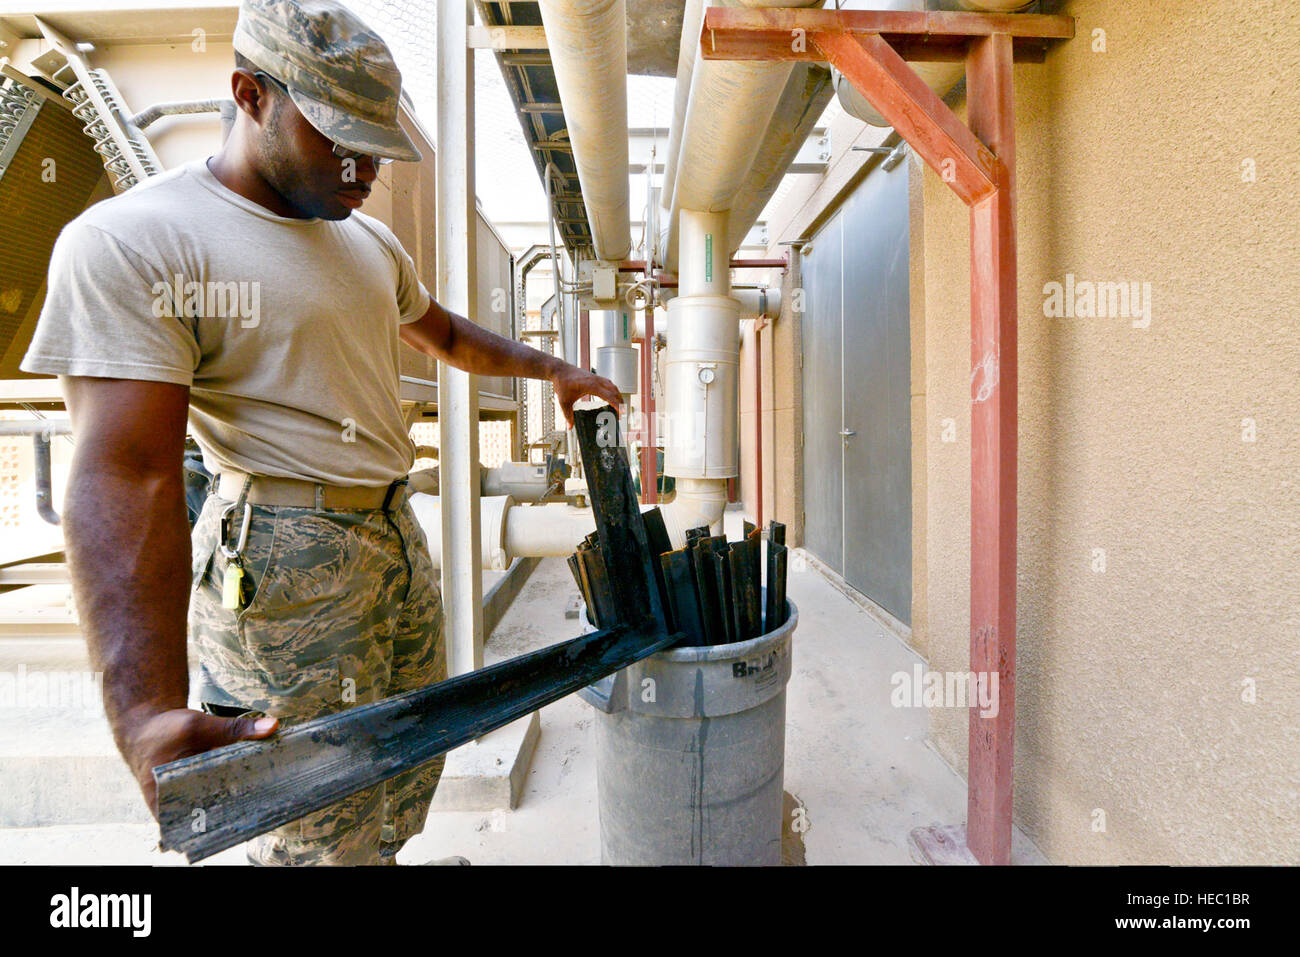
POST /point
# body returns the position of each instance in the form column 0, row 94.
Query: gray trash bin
column 690, row 754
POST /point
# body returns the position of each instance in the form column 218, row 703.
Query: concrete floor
column 861, row 770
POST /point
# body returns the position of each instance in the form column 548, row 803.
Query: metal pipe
column 616, row 360
column 44, row 483
column 729, row 100
column 587, row 40
column 758, row 423
column 701, row 386
column 39, row 427
column 148, row 116
column 584, row 339
column 801, row 104
column 688, row 50
column 555, row 266
column 649, row 445
column 462, row 580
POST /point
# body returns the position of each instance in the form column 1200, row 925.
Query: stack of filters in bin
column 712, row 590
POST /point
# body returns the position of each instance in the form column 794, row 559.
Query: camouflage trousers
column 341, row 607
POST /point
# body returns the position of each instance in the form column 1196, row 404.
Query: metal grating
column 530, row 79
column 50, row 179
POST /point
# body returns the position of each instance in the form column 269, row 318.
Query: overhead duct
column 801, row 104
column 939, row 76
column 587, row 40
column 688, row 50
column 728, row 101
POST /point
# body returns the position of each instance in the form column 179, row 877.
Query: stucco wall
column 1134, row 441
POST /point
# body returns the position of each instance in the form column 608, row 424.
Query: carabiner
column 235, row 552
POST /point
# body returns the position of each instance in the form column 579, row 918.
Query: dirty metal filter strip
column 213, row 801
column 216, row 800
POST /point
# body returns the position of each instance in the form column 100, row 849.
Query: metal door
column 857, row 393
column 877, row 392
column 823, row 400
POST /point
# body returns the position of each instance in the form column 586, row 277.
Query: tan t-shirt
column 285, row 330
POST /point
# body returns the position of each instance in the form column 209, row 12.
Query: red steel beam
column 649, row 456
column 991, row 111
column 759, row 263
column 915, row 111
column 729, row 33
column 758, row 417
column 982, row 171
column 638, row 265
column 584, row 339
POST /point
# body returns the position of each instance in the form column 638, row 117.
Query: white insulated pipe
column 797, row 111
column 688, row 51
column 696, row 502
column 939, row 76
column 729, row 109
column 492, row 553
column 762, row 303
column 555, row 530
column 704, row 266
column 544, row 531
column 587, row 40
column 701, row 376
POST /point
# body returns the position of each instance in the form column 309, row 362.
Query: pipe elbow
column 697, row 502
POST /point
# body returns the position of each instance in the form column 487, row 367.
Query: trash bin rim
column 736, row 649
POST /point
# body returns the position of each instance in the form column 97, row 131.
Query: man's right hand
column 170, row 735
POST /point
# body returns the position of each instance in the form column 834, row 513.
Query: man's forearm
column 454, row 339
column 128, row 549
column 475, row 349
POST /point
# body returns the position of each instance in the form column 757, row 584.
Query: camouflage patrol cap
column 339, row 72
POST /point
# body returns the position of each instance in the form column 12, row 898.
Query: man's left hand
column 572, row 383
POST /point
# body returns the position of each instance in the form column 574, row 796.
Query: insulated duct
column 939, row 76
column 688, row 50
column 728, row 100
column 801, row 105
column 588, row 46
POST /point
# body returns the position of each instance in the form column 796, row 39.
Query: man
column 307, row 582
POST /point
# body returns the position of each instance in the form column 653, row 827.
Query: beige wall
column 1131, row 679
column 150, row 73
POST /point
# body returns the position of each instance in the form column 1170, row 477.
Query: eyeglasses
column 342, row 152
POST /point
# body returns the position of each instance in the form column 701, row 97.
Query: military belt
column 297, row 493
